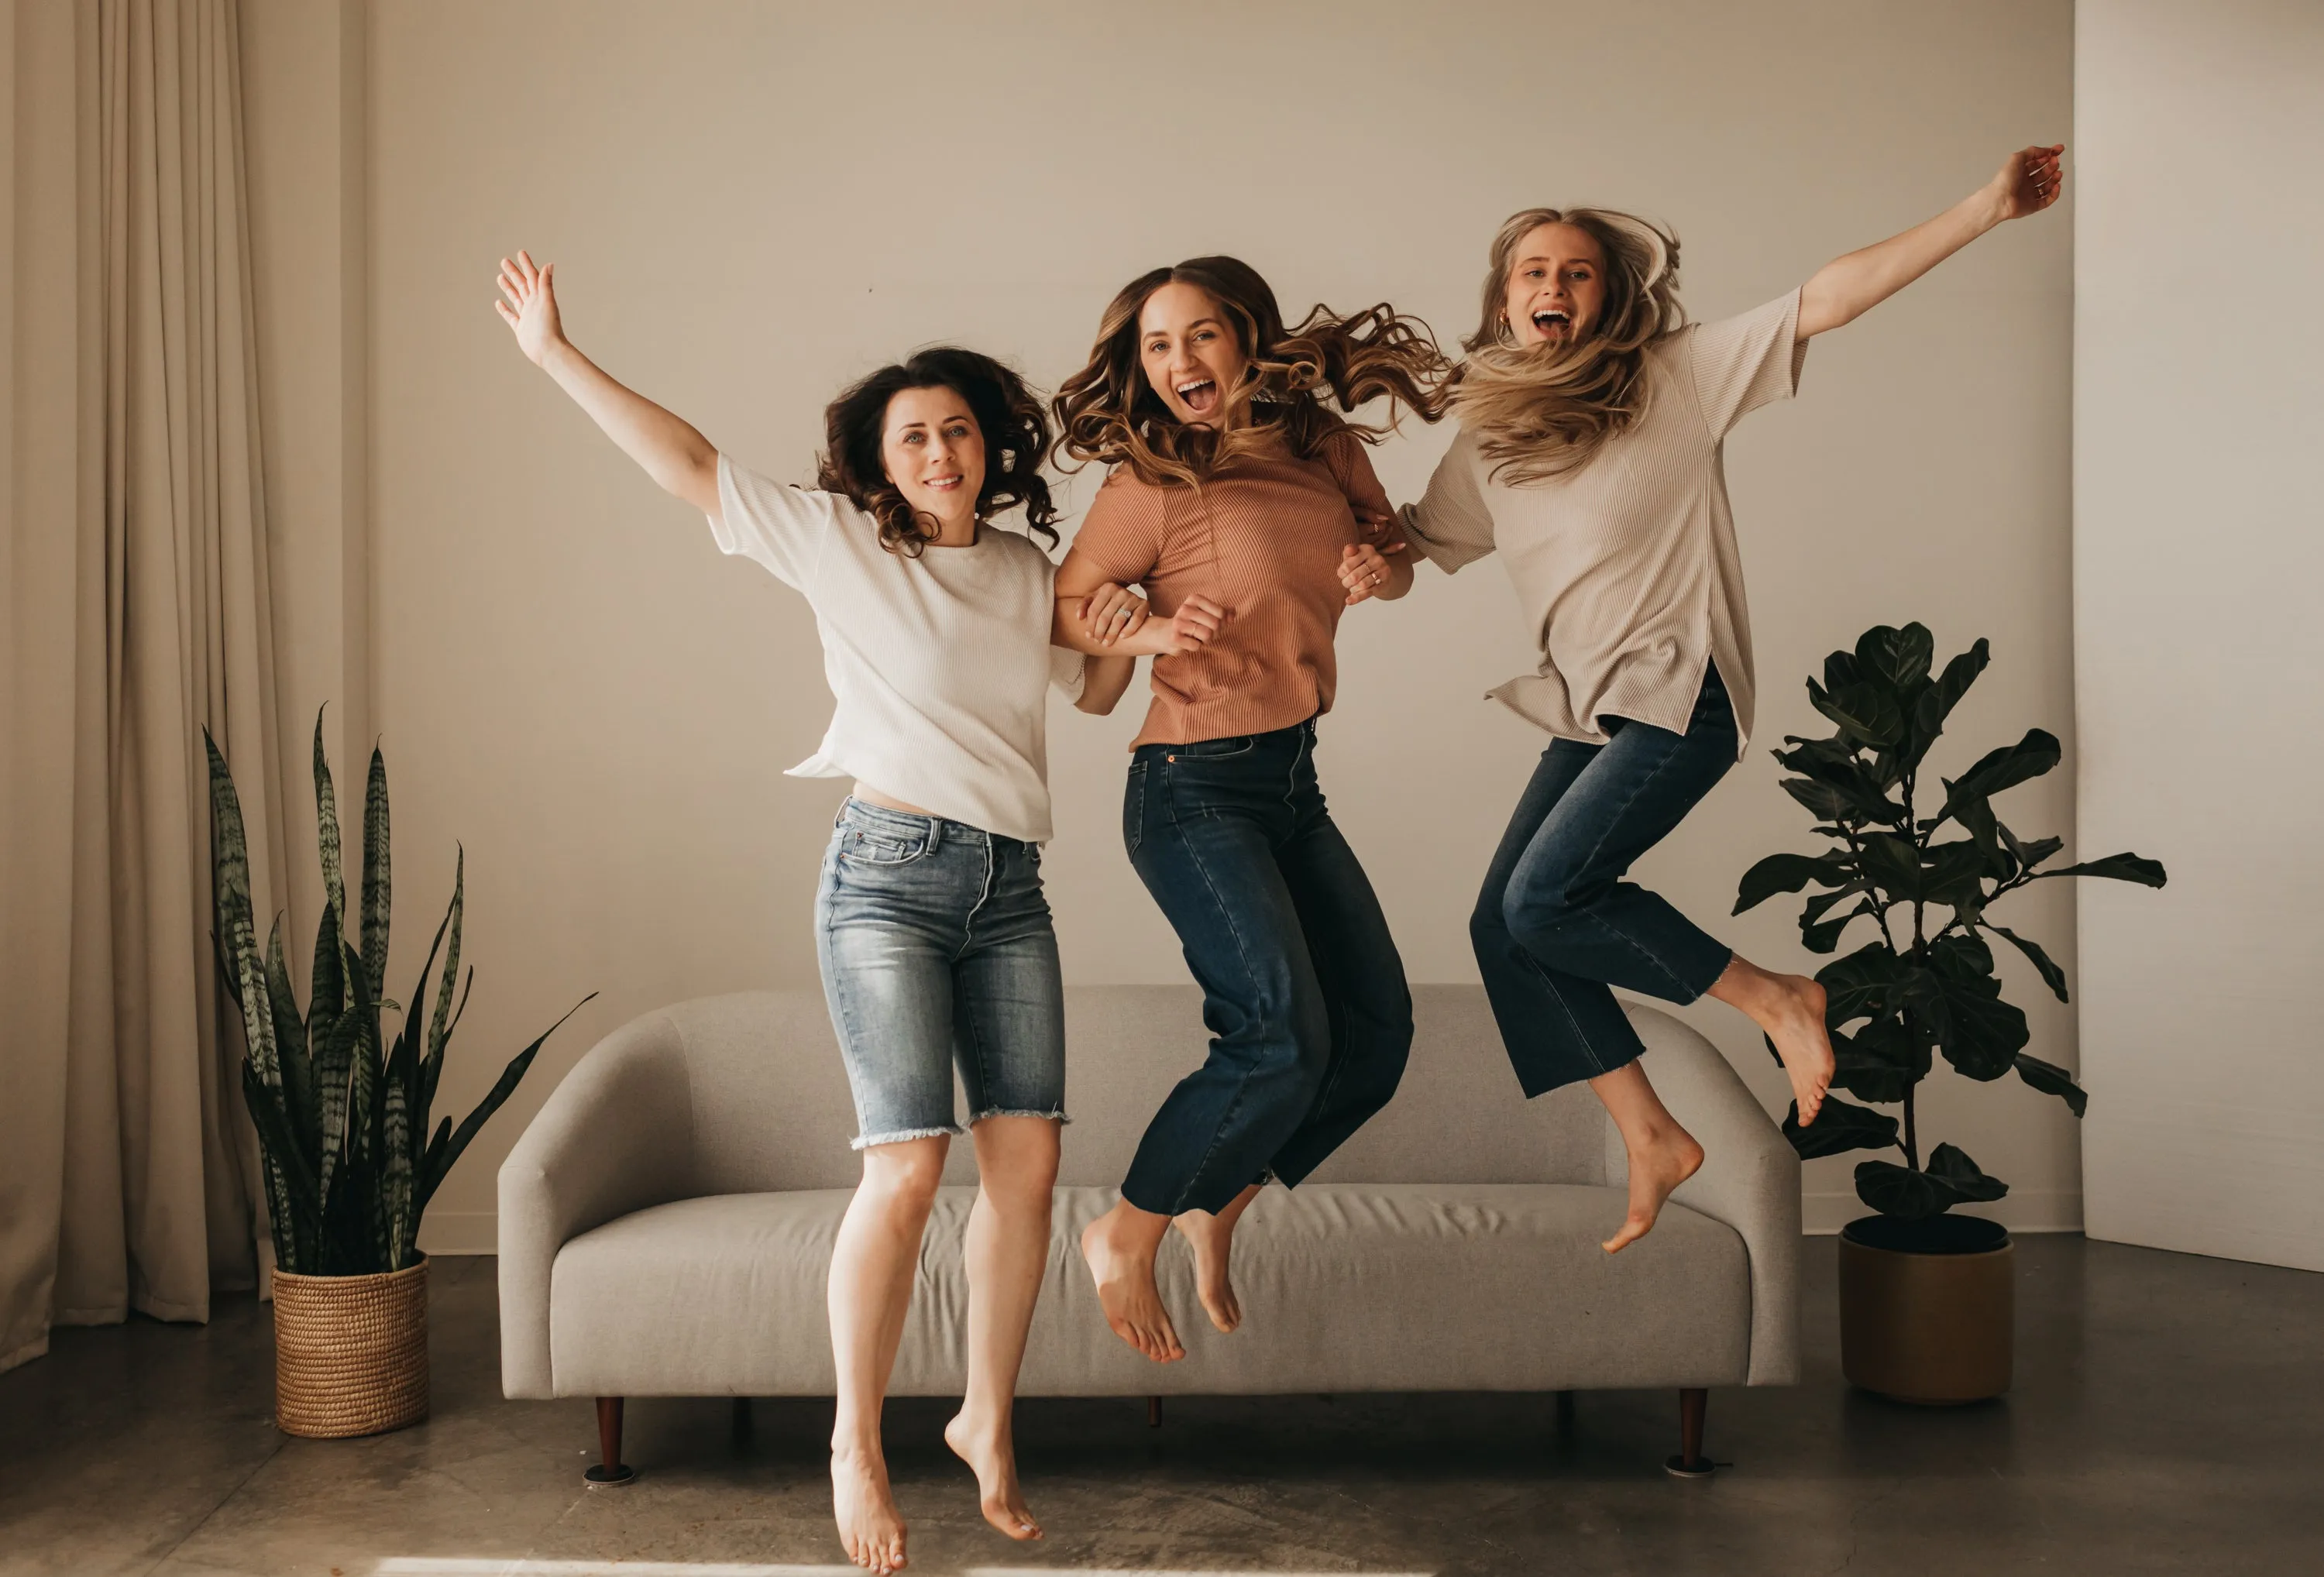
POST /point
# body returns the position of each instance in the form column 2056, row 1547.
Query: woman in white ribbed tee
column 1591, row 421
column 935, row 941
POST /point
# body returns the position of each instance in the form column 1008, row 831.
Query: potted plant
column 1926, row 1298
column 348, row 1160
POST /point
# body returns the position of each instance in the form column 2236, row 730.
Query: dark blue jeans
column 1303, row 991
column 1556, row 925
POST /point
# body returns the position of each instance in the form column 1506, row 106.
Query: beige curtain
column 136, row 595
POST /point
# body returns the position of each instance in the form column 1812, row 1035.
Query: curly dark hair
column 1008, row 414
column 1108, row 411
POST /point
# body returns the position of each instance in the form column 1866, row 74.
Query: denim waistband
column 1297, row 735
column 935, row 829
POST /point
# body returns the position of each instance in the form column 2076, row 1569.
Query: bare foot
column 869, row 1524
column 1789, row 1010
column 1123, row 1269
column 1666, row 1160
column 992, row 1454
column 1794, row 1024
column 1213, row 1241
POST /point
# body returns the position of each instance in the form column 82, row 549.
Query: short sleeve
column 1068, row 672
column 1740, row 363
column 1450, row 526
column 783, row 528
column 1121, row 536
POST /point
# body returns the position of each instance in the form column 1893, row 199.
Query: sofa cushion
column 1345, row 1287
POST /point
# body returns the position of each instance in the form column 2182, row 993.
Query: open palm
column 530, row 307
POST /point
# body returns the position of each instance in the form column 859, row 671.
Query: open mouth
column 943, row 483
column 1199, row 395
column 1552, row 321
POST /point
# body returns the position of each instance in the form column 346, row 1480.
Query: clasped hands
column 1112, row 614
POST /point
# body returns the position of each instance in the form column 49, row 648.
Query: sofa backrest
column 771, row 1108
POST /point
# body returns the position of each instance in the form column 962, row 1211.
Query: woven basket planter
column 350, row 1352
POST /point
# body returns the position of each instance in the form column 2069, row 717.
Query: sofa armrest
column 615, row 1136
column 1750, row 1180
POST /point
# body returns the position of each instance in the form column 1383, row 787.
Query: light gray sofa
column 666, row 1225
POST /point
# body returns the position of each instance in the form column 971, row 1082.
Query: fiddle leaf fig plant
column 1924, row 871
column 341, row 1113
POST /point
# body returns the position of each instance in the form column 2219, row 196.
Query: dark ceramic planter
column 1927, row 1309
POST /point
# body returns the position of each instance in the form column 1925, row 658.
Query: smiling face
column 1187, row 346
column 1556, row 286
column 933, row 452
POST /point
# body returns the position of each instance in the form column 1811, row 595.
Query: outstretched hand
column 1192, row 626
column 2029, row 180
column 529, row 308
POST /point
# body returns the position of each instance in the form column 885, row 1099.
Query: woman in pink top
column 1234, row 500
column 1592, row 417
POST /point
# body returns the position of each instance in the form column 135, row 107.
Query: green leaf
column 298, row 1209
column 326, row 825
column 298, row 1068
column 2001, row 769
column 1952, row 1178
column 2028, row 855
column 1881, row 1062
column 441, row 1161
column 1822, row 800
column 2116, row 868
column 2051, row 976
column 1936, row 702
column 1898, row 658
column 371, row 926
column 236, row 935
column 1892, row 864
column 1954, row 873
column 2053, row 1080
column 1865, row 712
column 1822, row 935
column 1962, row 957
column 1838, row 1128
column 1788, row 873
column 1859, row 985
column 1982, row 1033
column 1951, row 1165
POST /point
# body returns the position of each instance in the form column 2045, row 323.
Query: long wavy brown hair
column 1109, row 413
column 1541, row 412
column 1007, row 412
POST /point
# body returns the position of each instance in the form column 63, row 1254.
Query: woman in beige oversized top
column 1592, row 417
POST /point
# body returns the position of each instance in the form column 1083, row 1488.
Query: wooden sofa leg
column 611, row 1469
column 1153, row 1411
column 1691, row 1463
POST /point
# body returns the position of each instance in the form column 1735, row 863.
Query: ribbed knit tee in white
column 1627, row 570
column 941, row 665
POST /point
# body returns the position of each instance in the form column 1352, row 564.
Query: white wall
column 752, row 204
column 2199, row 550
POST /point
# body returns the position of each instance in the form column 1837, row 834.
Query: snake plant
column 1926, row 982
column 341, row 1115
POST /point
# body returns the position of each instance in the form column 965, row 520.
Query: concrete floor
column 2167, row 1416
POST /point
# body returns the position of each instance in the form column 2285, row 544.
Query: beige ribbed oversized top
column 1627, row 569
column 1263, row 538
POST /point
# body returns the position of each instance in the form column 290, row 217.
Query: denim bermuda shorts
column 937, row 952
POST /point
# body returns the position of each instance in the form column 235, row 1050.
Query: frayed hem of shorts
column 906, row 1135
column 1056, row 1114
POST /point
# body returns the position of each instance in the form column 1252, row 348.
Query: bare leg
column 1663, row 1154
column 1211, row 1237
column 1789, row 1009
column 872, row 1264
column 1119, row 1247
column 1008, row 1251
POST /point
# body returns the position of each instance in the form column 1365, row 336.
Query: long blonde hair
column 1541, row 412
column 1109, row 413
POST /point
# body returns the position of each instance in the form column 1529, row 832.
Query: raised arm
column 676, row 456
column 1846, row 287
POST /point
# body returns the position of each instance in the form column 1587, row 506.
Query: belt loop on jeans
column 936, row 833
